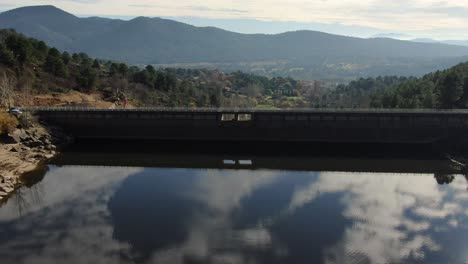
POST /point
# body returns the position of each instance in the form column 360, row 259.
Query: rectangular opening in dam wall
column 229, row 117
column 244, row 117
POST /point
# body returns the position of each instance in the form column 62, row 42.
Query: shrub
column 8, row 123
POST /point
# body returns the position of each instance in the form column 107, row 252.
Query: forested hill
column 160, row 41
column 445, row 89
column 28, row 68
column 442, row 89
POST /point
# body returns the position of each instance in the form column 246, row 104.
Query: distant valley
column 299, row 54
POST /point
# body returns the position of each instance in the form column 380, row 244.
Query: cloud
column 74, row 218
column 81, row 1
column 221, row 193
column 80, row 181
column 440, row 213
column 148, row 6
column 73, row 221
column 5, row 7
column 71, row 218
column 379, row 205
column 221, row 10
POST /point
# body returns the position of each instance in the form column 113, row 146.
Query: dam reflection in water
column 98, row 214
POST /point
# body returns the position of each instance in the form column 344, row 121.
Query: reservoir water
column 208, row 209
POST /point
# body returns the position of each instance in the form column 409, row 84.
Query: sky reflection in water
column 152, row 215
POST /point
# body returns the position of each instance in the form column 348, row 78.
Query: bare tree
column 7, row 86
column 119, row 88
column 23, row 90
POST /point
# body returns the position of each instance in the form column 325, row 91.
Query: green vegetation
column 358, row 94
column 443, row 89
column 31, row 66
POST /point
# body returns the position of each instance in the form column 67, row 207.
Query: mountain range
column 146, row 40
column 448, row 42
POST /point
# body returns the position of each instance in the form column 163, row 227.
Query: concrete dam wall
column 371, row 126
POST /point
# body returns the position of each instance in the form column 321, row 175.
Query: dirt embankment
column 24, row 151
column 71, row 99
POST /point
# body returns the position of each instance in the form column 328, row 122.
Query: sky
column 437, row 19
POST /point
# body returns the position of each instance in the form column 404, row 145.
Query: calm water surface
column 97, row 214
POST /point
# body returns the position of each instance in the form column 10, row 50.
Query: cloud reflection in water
column 108, row 215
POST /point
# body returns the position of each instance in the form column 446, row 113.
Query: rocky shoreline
column 25, row 151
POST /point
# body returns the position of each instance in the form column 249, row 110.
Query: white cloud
column 378, row 205
column 441, row 213
column 256, row 238
column 86, row 239
column 221, row 192
column 80, row 181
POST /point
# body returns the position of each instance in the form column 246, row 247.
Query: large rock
column 33, row 143
column 16, row 148
column 39, row 156
column 18, row 135
column 6, row 189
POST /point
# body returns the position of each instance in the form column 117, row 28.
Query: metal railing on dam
column 300, row 125
column 250, row 110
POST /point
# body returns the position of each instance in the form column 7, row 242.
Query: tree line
column 47, row 69
column 359, row 93
column 446, row 89
column 37, row 68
